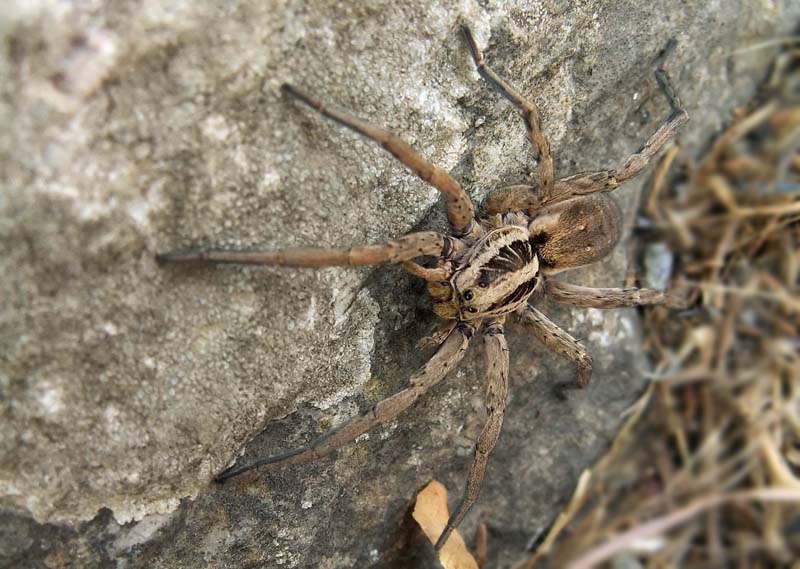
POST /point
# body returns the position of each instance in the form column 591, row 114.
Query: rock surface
column 138, row 127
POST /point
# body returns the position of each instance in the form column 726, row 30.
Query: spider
column 484, row 271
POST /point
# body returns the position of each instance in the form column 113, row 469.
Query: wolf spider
column 484, row 271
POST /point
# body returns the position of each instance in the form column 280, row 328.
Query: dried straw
column 706, row 471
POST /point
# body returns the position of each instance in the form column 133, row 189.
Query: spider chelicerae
column 486, row 270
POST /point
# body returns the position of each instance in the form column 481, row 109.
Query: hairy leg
column 460, row 211
column 496, row 357
column 609, row 297
column 426, row 243
column 666, row 132
column 436, row 339
column 428, row 274
column 511, row 198
column 528, row 110
column 557, row 340
column 443, row 361
column 606, row 181
column 530, row 200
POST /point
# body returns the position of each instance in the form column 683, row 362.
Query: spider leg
column 425, row 243
column 496, row 357
column 437, row 337
column 588, row 297
column 529, row 199
column 460, row 211
column 428, row 274
column 443, row 361
column 520, row 197
column 528, row 110
column 608, row 180
column 666, row 132
column 557, row 340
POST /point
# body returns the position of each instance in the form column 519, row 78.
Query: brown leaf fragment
column 481, row 538
column 430, row 512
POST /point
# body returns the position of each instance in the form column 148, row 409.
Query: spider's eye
column 472, row 309
column 468, row 295
column 444, row 283
column 482, row 285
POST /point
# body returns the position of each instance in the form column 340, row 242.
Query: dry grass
column 706, row 472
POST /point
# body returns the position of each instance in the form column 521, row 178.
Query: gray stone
column 142, row 127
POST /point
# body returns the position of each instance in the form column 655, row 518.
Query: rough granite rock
column 137, row 127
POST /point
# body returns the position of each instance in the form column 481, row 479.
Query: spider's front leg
column 443, row 361
column 460, row 211
column 496, row 357
column 527, row 109
column 401, row 250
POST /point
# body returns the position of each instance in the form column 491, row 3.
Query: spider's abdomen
column 495, row 276
column 576, row 232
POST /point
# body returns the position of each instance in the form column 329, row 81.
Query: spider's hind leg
column 589, row 297
column 608, row 180
column 666, row 132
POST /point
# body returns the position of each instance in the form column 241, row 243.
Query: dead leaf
column 430, row 512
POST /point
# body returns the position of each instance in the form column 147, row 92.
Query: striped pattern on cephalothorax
column 494, row 277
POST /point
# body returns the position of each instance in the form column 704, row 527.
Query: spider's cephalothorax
column 493, row 277
column 488, row 268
